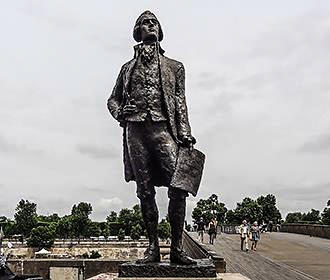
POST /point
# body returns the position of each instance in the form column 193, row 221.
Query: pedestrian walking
column 201, row 229
column 255, row 235
column 244, row 233
column 212, row 231
column 263, row 227
column 216, row 227
column 270, row 226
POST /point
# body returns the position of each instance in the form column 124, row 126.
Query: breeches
column 153, row 153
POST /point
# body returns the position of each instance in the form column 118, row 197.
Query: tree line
column 311, row 217
column 40, row 231
column 263, row 210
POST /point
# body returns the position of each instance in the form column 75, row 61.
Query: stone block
column 171, row 278
column 220, row 276
column 203, row 269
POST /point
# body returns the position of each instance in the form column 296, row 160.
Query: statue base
column 203, row 269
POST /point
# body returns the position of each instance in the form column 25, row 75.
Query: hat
column 137, row 31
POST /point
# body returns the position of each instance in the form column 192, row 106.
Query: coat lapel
column 127, row 77
column 168, row 88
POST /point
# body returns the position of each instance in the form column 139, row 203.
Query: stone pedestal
column 203, row 269
column 221, row 276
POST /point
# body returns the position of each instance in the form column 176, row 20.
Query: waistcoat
column 146, row 91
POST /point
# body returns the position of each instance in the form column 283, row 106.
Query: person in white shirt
column 244, row 232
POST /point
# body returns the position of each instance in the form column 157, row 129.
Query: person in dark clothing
column 201, row 229
column 270, row 226
column 212, row 231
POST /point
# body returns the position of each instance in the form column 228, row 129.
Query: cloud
column 305, row 193
column 256, row 91
column 191, row 204
column 5, row 146
column 317, row 145
column 11, row 147
column 97, row 152
column 111, row 202
column 299, row 196
column 95, row 190
column 211, row 81
column 103, row 207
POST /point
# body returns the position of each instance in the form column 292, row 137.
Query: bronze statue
column 149, row 102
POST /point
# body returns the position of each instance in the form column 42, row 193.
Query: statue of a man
column 148, row 101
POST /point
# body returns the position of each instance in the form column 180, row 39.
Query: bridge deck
column 279, row 256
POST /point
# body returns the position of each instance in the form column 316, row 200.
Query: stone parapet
column 43, row 267
column 307, row 229
column 197, row 251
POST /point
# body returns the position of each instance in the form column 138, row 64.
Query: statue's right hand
column 129, row 110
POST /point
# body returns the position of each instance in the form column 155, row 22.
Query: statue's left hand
column 188, row 142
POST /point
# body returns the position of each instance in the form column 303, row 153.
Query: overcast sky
column 257, row 88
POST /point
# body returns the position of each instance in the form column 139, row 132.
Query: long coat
column 172, row 76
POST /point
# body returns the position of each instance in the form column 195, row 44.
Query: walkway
column 282, row 256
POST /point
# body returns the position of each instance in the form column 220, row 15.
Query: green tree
column 269, row 209
column 112, row 217
column 312, row 216
column 208, row 209
column 54, row 218
column 136, row 232
column 94, row 229
column 112, row 223
column 294, row 217
column 114, row 228
column 106, row 232
column 64, row 227
column 121, row 234
column 263, row 209
column 164, row 229
column 25, row 217
column 41, row 237
column 249, row 210
column 233, row 218
column 125, row 219
column 104, row 227
column 129, row 218
column 326, row 214
column 9, row 228
column 80, row 219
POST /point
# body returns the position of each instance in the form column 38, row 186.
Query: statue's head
column 147, row 28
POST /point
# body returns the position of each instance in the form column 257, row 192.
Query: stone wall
column 43, row 267
column 66, row 273
column 113, row 254
column 312, row 230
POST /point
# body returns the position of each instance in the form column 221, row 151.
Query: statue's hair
column 137, row 28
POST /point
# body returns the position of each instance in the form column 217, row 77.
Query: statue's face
column 149, row 29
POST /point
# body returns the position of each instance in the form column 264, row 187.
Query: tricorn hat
column 137, row 32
